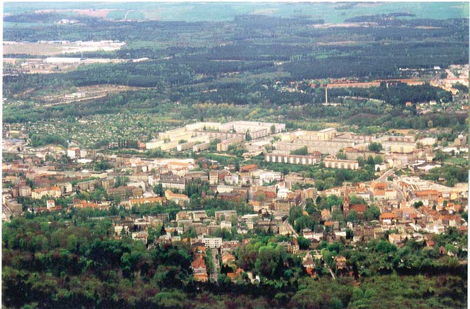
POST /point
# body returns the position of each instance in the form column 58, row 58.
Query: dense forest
column 76, row 262
column 241, row 62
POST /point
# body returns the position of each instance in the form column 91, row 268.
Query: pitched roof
column 360, row 208
column 249, row 167
column 387, row 215
column 379, row 192
column 227, row 257
column 308, row 259
column 379, row 185
column 185, row 164
column 143, row 200
column 85, row 204
column 234, row 275
column 170, row 195
column 37, row 190
column 424, row 193
column 268, row 194
column 198, row 263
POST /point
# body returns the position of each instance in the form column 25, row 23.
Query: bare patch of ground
column 52, row 48
column 79, row 94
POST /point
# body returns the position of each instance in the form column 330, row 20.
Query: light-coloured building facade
column 291, row 159
column 212, row 242
column 341, row 164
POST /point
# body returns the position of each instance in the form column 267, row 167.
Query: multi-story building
column 212, row 242
column 225, row 144
column 341, row 164
column 398, row 144
column 323, row 146
column 214, row 177
column 171, row 181
column 24, row 191
column 41, row 192
column 201, row 147
column 291, row 159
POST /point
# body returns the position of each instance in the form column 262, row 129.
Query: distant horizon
column 194, row 11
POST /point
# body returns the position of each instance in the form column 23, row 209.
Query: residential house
column 228, row 258
column 388, row 218
column 360, row 209
column 199, row 268
column 308, row 264
column 248, row 168
column 395, row 238
column 142, row 236
column 340, row 262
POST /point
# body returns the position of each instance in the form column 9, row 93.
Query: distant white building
column 76, row 153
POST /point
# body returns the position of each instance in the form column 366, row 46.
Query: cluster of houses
column 409, row 207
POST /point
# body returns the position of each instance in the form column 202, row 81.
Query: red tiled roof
column 46, row 189
column 226, row 258
column 198, row 263
column 379, row 185
column 350, row 149
column 234, row 275
column 268, row 194
column 387, row 215
column 310, row 271
column 201, row 277
column 249, row 167
column 379, row 192
column 360, row 208
column 85, row 204
column 426, row 193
